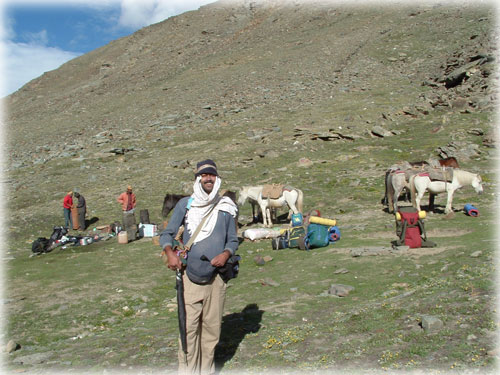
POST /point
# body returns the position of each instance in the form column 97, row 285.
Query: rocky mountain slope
column 262, row 64
column 264, row 88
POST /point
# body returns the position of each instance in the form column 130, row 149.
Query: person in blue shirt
column 215, row 243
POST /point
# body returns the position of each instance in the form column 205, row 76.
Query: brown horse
column 171, row 200
column 450, row 162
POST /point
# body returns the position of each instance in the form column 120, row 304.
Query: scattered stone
column 459, row 103
column 444, row 268
column 341, row 270
column 476, row 254
column 33, row 359
column 471, row 337
column 476, row 131
column 268, row 258
column 304, row 163
column 259, row 260
column 12, row 346
column 490, row 138
column 370, row 251
column 431, row 324
column 340, row 290
column 380, row 131
column 268, row 282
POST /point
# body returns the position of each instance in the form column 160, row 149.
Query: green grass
column 107, row 306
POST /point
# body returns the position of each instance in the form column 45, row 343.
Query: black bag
column 40, row 245
column 280, row 242
column 144, row 215
column 57, row 234
column 230, row 270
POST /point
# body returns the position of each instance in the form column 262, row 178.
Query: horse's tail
column 300, row 201
column 389, row 190
column 413, row 191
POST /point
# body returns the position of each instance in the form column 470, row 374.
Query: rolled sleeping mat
column 421, row 215
column 333, row 234
column 322, row 221
column 471, row 210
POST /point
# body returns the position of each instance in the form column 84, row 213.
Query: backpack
column 280, row 242
column 297, row 220
column 318, row 235
column 294, row 235
column 410, row 229
column 40, row 245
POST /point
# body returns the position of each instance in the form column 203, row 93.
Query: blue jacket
column 223, row 237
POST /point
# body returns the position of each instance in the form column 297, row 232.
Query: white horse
column 293, row 198
column 420, row 184
column 395, row 183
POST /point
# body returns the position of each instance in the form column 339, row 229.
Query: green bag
column 318, row 235
column 294, row 235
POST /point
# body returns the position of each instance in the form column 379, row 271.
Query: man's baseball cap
column 206, row 166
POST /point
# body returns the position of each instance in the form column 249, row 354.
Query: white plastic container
column 122, row 237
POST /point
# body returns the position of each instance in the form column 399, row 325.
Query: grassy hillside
column 258, row 88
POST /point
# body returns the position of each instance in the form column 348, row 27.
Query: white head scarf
column 202, row 203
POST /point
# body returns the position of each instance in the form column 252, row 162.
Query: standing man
column 204, row 289
column 127, row 200
column 67, row 204
column 81, row 206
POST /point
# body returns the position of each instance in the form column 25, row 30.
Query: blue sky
column 39, row 36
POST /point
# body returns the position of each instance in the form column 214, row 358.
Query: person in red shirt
column 127, row 200
column 67, row 204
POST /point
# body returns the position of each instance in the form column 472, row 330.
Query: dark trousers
column 81, row 218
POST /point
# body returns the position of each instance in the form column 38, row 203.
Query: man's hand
column 221, row 259
column 173, row 261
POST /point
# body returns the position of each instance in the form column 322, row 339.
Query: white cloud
column 24, row 62
column 136, row 14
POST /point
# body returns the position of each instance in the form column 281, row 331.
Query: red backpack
column 410, row 229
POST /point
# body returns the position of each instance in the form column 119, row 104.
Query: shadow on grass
column 234, row 329
column 92, row 221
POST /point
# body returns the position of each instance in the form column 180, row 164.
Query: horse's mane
column 465, row 175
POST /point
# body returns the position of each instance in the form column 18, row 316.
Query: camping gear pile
column 410, row 228
column 307, row 233
column 132, row 231
column 60, row 237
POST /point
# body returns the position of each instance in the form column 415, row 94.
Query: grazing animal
column 171, row 200
column 420, row 184
column 291, row 197
column 169, row 203
column 450, row 162
column 394, row 183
